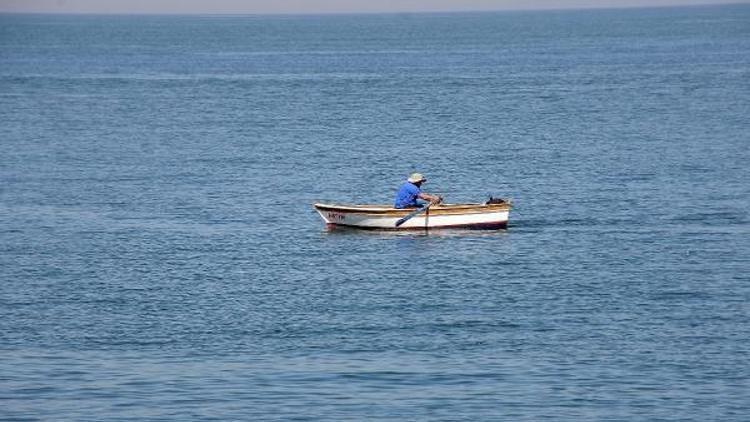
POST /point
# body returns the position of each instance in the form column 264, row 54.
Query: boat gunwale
column 445, row 209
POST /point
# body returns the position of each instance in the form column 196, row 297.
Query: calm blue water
column 159, row 257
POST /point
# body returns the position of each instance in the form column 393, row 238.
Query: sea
column 160, row 258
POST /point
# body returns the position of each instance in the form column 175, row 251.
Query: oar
column 409, row 216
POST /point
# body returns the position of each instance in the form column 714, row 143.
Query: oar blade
column 409, row 216
column 402, row 220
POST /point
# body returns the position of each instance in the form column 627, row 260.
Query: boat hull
column 378, row 217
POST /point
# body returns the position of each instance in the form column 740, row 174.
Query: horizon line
column 371, row 12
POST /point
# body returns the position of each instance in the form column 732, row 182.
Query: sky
column 319, row 6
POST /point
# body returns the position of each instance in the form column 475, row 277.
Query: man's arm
column 434, row 199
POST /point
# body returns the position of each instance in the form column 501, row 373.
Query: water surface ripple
column 159, row 258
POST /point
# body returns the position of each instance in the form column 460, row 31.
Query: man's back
column 407, row 196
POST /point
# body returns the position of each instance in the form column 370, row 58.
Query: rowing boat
column 491, row 215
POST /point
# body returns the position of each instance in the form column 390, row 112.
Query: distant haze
column 320, row 6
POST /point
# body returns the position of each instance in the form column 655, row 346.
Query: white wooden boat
column 383, row 217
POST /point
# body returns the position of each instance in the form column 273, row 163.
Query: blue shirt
column 407, row 196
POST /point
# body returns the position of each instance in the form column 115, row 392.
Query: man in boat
column 411, row 190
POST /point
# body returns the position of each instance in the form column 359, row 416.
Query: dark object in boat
column 495, row 201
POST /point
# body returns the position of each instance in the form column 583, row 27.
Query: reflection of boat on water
column 491, row 215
